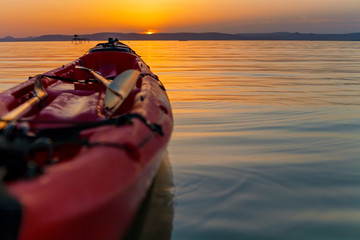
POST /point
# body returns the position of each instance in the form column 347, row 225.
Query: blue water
column 266, row 142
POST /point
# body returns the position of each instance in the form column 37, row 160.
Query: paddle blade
column 21, row 110
column 39, row 90
column 118, row 90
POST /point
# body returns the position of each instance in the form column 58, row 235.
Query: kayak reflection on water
column 155, row 217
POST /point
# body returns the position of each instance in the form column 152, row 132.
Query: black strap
column 77, row 127
column 17, row 145
column 69, row 79
column 91, row 80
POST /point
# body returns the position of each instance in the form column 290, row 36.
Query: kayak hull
column 92, row 190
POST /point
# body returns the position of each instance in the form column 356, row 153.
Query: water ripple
column 268, row 201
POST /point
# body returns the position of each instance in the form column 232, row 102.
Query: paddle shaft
column 96, row 75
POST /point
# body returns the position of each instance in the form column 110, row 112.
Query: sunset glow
column 150, row 31
column 32, row 18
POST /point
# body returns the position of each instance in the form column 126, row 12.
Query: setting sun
column 150, row 31
column 142, row 16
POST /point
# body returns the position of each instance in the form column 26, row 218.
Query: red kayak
column 80, row 146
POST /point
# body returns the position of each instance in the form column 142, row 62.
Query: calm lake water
column 266, row 142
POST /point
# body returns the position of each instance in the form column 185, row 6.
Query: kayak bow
column 79, row 165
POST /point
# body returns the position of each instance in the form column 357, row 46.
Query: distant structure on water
column 77, row 39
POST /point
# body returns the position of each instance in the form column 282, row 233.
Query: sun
column 150, row 31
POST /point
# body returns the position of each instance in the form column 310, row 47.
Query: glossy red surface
column 92, row 192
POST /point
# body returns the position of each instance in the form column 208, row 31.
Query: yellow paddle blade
column 118, row 90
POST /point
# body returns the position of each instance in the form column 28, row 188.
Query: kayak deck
column 77, row 101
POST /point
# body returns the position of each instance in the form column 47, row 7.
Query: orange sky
column 20, row 18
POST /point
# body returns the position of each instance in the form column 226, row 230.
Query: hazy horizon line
column 180, row 32
column 188, row 36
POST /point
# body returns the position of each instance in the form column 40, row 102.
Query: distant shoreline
column 289, row 36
